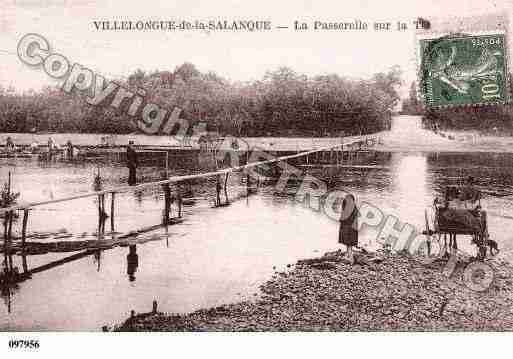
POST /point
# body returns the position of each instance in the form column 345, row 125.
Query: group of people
column 52, row 147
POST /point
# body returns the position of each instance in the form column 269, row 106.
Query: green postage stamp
column 464, row 69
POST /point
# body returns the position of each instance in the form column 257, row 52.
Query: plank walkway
column 360, row 141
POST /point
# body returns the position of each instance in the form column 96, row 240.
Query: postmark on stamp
column 464, row 69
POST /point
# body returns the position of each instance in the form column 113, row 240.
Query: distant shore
column 420, row 141
column 383, row 291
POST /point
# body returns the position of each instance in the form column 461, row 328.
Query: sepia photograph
column 235, row 166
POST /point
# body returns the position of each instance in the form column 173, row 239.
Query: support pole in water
column 218, row 191
column 225, row 187
column 248, row 184
column 24, row 228
column 9, row 240
column 24, row 261
column 167, row 164
column 7, row 218
column 101, row 214
column 179, row 200
column 9, row 231
column 167, row 202
column 112, row 195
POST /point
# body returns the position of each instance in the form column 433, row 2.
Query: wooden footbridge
column 340, row 155
column 337, row 153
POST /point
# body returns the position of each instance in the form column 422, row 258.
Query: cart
column 448, row 220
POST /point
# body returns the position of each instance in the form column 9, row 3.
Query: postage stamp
column 464, row 69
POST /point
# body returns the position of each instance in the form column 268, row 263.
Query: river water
column 217, row 255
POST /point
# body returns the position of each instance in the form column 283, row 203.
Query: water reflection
column 410, row 188
column 10, row 276
column 132, row 262
column 98, row 259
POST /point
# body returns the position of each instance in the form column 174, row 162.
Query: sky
column 238, row 56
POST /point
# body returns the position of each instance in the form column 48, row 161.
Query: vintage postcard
column 237, row 166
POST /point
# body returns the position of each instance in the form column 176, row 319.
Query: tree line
column 282, row 103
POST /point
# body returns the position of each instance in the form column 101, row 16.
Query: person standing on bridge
column 348, row 232
column 132, row 163
column 69, row 150
column 9, row 145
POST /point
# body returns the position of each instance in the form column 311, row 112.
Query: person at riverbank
column 131, row 159
column 348, row 232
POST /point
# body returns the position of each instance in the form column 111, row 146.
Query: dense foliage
column 282, row 103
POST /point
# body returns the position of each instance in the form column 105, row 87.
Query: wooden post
column 6, row 219
column 101, row 215
column 248, row 184
column 167, row 202
column 24, row 228
column 24, row 261
column 225, row 186
column 167, row 164
column 8, row 240
column 9, row 231
column 179, row 200
column 5, row 237
column 112, row 195
column 104, row 214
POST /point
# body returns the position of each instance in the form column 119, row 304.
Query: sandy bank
column 382, row 292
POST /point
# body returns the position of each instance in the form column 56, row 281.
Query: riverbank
column 383, row 291
column 416, row 140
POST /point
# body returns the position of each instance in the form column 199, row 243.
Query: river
column 217, row 255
